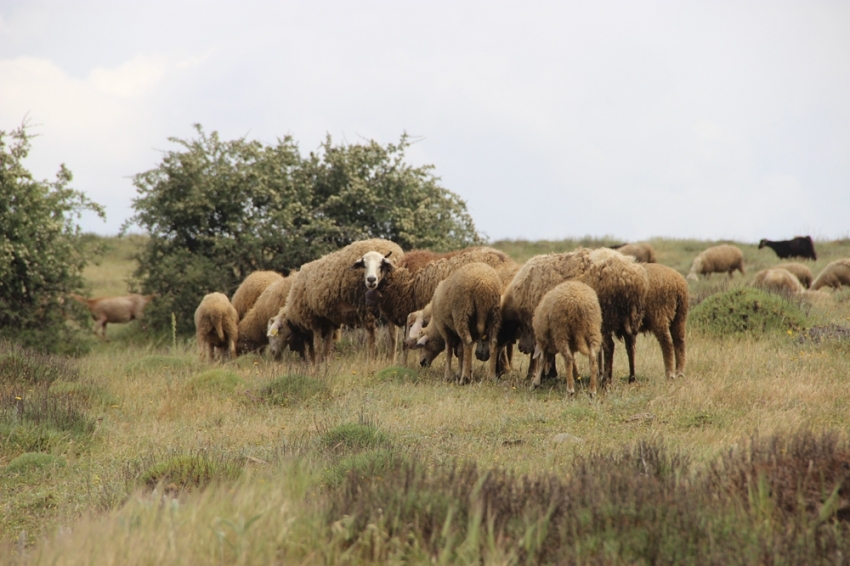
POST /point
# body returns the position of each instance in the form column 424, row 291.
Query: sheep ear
column 386, row 264
column 359, row 264
column 421, row 342
column 537, row 352
column 389, row 253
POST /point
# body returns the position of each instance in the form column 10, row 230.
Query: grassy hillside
column 140, row 453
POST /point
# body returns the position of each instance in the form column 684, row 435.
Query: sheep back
column 250, row 290
column 800, row 271
column 724, row 258
column 777, row 280
column 568, row 315
column 641, row 251
column 835, row 274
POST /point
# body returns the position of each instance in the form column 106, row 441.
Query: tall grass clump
column 292, row 390
column 215, row 381
column 185, row 470
column 746, row 310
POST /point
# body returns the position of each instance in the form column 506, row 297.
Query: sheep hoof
column 631, row 379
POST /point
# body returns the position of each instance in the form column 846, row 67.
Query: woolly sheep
column 465, row 309
column 568, row 320
column 800, row 271
column 281, row 334
column 666, row 315
column 724, row 258
column 254, row 326
column 216, row 329
column 777, row 280
column 620, row 284
column 250, row 290
column 641, row 251
column 328, row 293
column 835, row 274
column 115, row 309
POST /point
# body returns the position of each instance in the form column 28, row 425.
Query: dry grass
column 152, row 403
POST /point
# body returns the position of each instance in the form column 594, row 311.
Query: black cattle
column 800, row 246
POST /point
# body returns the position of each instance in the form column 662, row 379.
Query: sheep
column 409, row 287
column 724, row 258
column 641, row 251
column 115, row 309
column 568, row 320
column 800, row 246
column 297, row 340
column 254, row 326
column 800, row 271
column 216, row 327
column 251, row 288
column 328, row 293
column 777, row 280
column 465, row 309
column 835, row 274
column 666, row 315
column 620, row 284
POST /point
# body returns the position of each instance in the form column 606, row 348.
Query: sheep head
column 374, row 266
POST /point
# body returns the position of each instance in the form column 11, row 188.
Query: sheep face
column 526, row 342
column 374, row 266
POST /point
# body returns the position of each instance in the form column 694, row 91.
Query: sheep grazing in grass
column 216, row 327
column 800, row 246
column 121, row 309
column 800, row 271
column 251, row 288
column 777, row 280
column 620, row 284
column 254, row 326
column 641, row 251
column 568, row 320
column 724, row 258
column 666, row 315
column 465, row 309
column 328, row 293
column 835, row 274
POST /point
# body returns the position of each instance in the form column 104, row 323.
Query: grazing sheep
column 724, row 258
column 281, row 334
column 800, row 246
column 665, row 315
column 568, row 320
column 251, row 288
column 620, row 284
column 254, row 326
column 465, row 309
column 800, row 271
column 115, row 309
column 328, row 293
column 216, row 327
column 777, row 280
column 641, row 251
column 835, row 274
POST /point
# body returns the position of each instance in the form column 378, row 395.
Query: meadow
column 139, row 453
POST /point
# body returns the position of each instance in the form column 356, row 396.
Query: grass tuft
column 746, row 310
column 292, row 390
column 33, row 460
column 214, row 380
column 399, row 374
column 353, row 437
column 192, row 470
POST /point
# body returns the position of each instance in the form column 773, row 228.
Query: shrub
column 746, row 310
column 292, row 390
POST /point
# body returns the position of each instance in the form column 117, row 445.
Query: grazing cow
column 800, row 246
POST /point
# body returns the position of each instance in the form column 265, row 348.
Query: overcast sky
column 551, row 119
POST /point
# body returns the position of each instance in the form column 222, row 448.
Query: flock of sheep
column 475, row 300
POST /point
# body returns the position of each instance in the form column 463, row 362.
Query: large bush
column 746, row 311
column 42, row 251
column 217, row 210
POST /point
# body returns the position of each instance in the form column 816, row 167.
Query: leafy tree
column 42, row 251
column 217, row 210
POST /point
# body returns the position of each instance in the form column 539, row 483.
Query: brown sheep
column 666, row 315
column 800, row 271
column 216, row 327
column 115, row 309
column 641, row 251
column 777, row 280
column 254, row 326
column 465, row 309
column 724, row 258
column 835, row 274
column 251, row 288
column 568, row 320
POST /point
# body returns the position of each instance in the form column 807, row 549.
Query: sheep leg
column 678, row 337
column 494, row 357
column 666, row 343
column 551, row 366
column 630, row 340
column 371, row 348
column 466, row 368
column 568, row 360
column 607, row 359
column 538, row 371
column 392, row 337
column 448, row 376
column 101, row 325
column 594, row 370
column 533, row 363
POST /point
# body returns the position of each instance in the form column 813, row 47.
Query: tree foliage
column 42, row 251
column 217, row 210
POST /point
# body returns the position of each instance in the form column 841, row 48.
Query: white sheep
column 800, row 271
column 665, row 315
column 254, row 326
column 121, row 309
column 568, row 320
column 641, row 251
column 724, row 258
column 777, row 280
column 250, row 290
column 328, row 293
column 465, row 309
column 835, row 274
column 216, row 327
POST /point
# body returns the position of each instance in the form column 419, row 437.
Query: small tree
column 217, row 210
column 42, row 252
